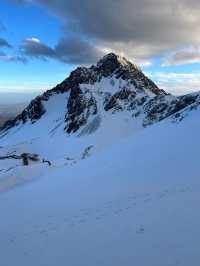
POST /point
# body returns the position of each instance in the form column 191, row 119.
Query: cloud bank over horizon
column 137, row 29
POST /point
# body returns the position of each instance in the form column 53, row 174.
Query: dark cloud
column 10, row 58
column 76, row 50
column 73, row 51
column 147, row 26
column 35, row 48
column 4, row 43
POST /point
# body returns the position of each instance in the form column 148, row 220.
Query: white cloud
column 143, row 62
column 188, row 55
column 177, row 83
column 140, row 29
column 12, row 58
column 33, row 39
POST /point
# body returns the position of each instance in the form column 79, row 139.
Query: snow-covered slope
column 134, row 204
column 122, row 189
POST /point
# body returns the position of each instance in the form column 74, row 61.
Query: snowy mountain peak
column 109, row 67
column 111, row 89
column 113, row 61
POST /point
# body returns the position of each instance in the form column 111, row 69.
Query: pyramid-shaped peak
column 111, row 62
column 114, row 59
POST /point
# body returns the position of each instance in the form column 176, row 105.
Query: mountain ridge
column 132, row 89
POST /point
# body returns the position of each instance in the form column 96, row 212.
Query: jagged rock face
column 120, row 86
column 113, row 102
column 109, row 64
column 161, row 107
column 80, row 106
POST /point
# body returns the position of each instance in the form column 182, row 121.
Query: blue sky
column 29, row 21
column 50, row 38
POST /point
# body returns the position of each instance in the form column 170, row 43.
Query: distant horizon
column 9, row 98
column 25, row 93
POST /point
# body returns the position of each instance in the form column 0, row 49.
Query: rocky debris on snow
column 27, row 158
column 86, row 152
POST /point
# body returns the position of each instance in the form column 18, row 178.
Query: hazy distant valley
column 9, row 111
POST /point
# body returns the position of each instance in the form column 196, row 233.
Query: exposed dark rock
column 80, row 106
column 108, row 64
column 86, row 152
column 25, row 157
column 159, row 108
column 114, row 100
column 46, row 161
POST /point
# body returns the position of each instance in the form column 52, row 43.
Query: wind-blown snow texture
column 122, row 189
